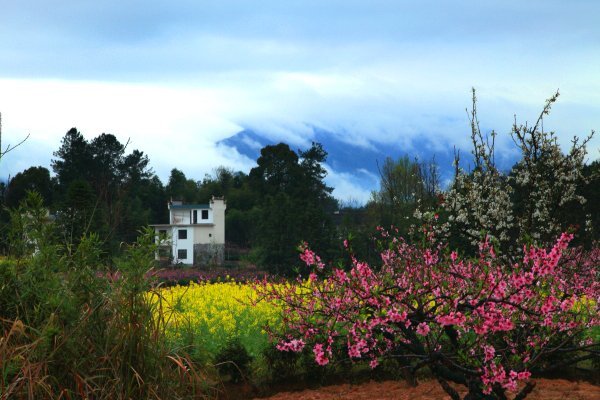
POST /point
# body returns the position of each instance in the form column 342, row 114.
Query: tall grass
column 71, row 329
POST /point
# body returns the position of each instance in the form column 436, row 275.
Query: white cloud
column 177, row 79
column 348, row 187
column 253, row 144
column 175, row 127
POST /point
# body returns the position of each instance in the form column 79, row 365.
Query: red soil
column 546, row 389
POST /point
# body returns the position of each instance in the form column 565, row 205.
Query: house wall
column 183, row 244
column 218, row 208
column 204, row 234
column 209, row 254
column 210, row 219
column 186, row 216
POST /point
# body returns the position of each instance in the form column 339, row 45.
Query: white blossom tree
column 546, row 180
column 479, row 202
column 533, row 204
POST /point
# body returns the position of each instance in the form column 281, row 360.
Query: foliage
column 295, row 203
column 101, row 189
column 405, row 186
column 591, row 209
column 33, row 178
column 482, row 322
column 233, row 360
column 68, row 330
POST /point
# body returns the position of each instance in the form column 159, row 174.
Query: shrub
column 68, row 331
column 233, row 360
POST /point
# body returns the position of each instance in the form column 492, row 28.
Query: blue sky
column 176, row 77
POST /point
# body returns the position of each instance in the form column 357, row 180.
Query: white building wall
column 183, row 244
column 208, row 220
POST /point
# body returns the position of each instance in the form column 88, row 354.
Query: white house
column 195, row 233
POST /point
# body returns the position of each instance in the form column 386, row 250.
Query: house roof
column 189, row 206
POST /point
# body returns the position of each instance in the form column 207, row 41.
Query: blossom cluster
column 489, row 319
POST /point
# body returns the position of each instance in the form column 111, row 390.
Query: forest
column 99, row 186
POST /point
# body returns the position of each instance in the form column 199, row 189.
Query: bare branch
column 9, row 148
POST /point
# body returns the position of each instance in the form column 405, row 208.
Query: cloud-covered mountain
column 353, row 165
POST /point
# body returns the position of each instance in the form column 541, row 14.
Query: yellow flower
column 208, row 315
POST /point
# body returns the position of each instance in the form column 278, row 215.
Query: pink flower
column 295, row 345
column 320, row 355
column 394, row 316
column 523, row 375
column 453, row 318
column 489, row 352
column 423, row 329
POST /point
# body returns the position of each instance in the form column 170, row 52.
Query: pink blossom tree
column 480, row 322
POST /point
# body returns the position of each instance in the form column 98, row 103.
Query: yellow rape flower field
column 203, row 317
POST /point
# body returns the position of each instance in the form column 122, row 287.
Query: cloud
column 253, row 144
column 175, row 127
column 348, row 187
column 177, row 78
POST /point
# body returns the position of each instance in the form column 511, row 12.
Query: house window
column 182, row 254
column 204, row 214
column 210, row 235
column 162, row 232
column 195, row 217
column 182, row 234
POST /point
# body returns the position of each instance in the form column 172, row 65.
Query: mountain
column 353, row 165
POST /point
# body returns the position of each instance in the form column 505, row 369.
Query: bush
column 233, row 360
column 72, row 329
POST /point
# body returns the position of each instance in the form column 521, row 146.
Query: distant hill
column 354, row 161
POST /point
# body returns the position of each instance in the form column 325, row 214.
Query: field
column 208, row 316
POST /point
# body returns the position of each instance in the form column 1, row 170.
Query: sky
column 176, row 77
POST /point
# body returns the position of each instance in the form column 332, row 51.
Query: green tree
column 33, row 178
column 180, row 187
column 105, row 191
column 405, row 185
column 590, row 190
column 295, row 204
column 79, row 213
column 242, row 210
column 73, row 160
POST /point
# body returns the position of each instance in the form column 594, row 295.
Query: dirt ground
column 546, row 389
